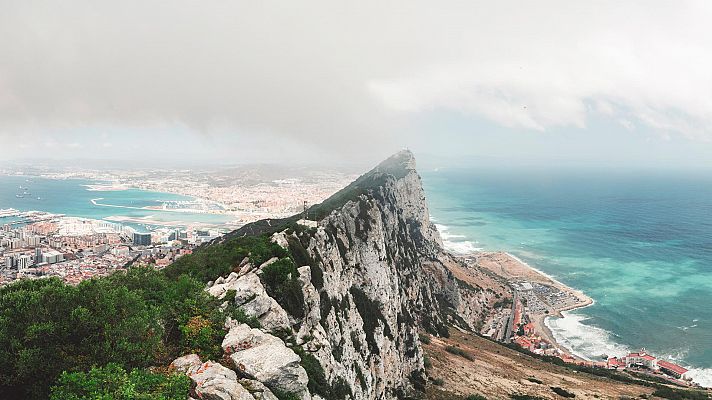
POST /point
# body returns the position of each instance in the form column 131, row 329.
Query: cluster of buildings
column 76, row 249
column 246, row 193
column 513, row 322
column 646, row 362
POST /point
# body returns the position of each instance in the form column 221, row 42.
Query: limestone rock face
column 215, row 382
column 257, row 389
column 187, row 364
column 377, row 274
column 251, row 296
column 267, row 359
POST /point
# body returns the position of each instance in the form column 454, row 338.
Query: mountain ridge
column 373, row 275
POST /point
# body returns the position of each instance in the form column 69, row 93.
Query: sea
column 638, row 243
column 72, row 198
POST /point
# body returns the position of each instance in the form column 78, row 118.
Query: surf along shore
column 543, row 295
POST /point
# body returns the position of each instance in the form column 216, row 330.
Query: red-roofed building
column 672, row 369
column 529, row 329
column 524, row 342
column 641, row 359
column 615, row 363
column 517, row 314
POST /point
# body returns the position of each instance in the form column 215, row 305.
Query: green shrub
column 315, row 372
column 201, row 336
column 426, row 362
column 438, row 381
column 114, row 383
column 425, row 339
column 207, row 263
column 47, row 327
column 282, row 395
column 281, row 281
column 239, row 315
column 318, row 384
column 475, row 397
column 562, row 392
column 459, row 352
column 675, row 394
column 340, row 390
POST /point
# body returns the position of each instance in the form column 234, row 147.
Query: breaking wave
column 586, row 341
column 702, row 376
column 456, row 243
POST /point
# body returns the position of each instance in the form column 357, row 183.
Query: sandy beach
column 515, row 270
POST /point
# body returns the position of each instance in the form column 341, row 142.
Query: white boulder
column 215, row 382
column 252, row 297
column 267, row 359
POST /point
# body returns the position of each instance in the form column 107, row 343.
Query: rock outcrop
column 250, row 295
column 372, row 273
column 213, row 381
column 265, row 358
column 378, row 274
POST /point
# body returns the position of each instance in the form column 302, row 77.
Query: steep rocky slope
column 371, row 275
column 383, row 276
column 353, row 300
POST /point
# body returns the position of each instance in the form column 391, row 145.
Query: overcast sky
column 551, row 82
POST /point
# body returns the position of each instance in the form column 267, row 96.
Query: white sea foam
column 701, row 376
column 455, row 243
column 586, row 341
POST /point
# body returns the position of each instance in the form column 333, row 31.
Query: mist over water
column 639, row 244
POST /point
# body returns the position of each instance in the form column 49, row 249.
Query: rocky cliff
column 372, row 274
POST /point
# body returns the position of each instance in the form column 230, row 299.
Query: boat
column 39, row 198
column 19, row 196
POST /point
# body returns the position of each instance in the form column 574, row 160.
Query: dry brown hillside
column 497, row 372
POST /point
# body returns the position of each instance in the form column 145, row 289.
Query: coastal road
column 510, row 323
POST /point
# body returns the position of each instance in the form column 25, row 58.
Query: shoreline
column 514, row 270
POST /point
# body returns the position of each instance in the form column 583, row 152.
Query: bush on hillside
column 134, row 319
column 113, row 382
column 281, row 281
column 207, row 263
column 459, row 352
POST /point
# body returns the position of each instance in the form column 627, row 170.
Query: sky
column 623, row 84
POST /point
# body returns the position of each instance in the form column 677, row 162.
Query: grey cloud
column 325, row 71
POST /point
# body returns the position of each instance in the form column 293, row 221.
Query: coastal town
column 244, row 193
column 75, row 249
column 36, row 244
column 535, row 297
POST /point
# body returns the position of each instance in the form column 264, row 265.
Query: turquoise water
column 71, row 197
column 639, row 244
